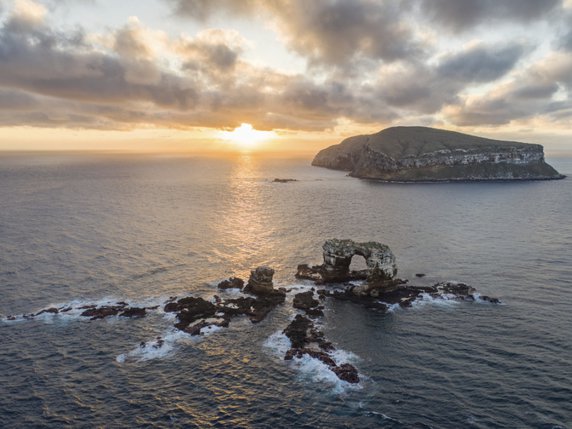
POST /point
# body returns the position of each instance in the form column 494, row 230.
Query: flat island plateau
column 422, row 154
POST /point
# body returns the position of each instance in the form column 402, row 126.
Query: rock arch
column 338, row 255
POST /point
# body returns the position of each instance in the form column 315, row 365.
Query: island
column 423, row 154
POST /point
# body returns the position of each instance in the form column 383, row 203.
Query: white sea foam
column 73, row 309
column 480, row 300
column 165, row 345
column 158, row 348
column 391, row 308
column 311, row 368
column 443, row 300
column 278, row 344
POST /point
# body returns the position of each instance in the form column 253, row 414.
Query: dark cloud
column 425, row 89
column 366, row 64
column 213, row 51
column 203, row 9
column 326, row 32
column 481, row 63
column 460, row 16
column 529, row 94
column 340, row 32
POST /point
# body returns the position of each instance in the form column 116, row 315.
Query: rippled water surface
column 88, row 228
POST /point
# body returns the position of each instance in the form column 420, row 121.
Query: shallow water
column 86, row 228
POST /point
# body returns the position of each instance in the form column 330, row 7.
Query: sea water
column 78, row 229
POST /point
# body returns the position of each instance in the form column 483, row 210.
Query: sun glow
column 246, row 136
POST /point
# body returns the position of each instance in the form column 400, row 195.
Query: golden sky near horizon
column 279, row 76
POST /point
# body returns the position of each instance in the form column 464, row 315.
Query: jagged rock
column 134, row 312
column 171, row 307
column 237, row 306
column 305, row 301
column 347, row 373
column 454, row 288
column 102, row 312
column 205, row 323
column 192, row 309
column 413, row 154
column 260, row 281
column 307, row 340
column 491, row 300
column 51, row 310
column 264, row 304
column 231, row 283
column 297, row 331
column 309, row 273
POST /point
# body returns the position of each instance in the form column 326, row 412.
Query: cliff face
column 411, row 154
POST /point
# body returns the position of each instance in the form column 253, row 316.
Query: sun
column 246, row 136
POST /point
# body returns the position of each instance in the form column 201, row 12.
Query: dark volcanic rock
column 192, row 309
column 231, row 283
column 413, row 154
column 277, row 180
column 102, row 312
column 307, row 340
column 51, row 310
column 265, row 304
column 260, row 281
column 305, row 300
column 196, row 328
column 347, row 373
column 297, row 331
column 309, row 273
column 134, row 312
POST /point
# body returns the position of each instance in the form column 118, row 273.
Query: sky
column 287, row 75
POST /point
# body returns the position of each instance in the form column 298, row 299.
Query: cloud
column 368, row 63
column 212, row 49
column 203, row 9
column 338, row 32
column 460, row 16
column 326, row 32
column 529, row 93
column 480, row 63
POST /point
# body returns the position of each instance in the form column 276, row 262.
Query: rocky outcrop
column 419, row 154
column 305, row 301
column 260, row 281
column 338, row 254
column 231, row 283
column 306, row 339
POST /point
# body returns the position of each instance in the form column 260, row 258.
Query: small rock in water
column 133, row 312
column 306, row 339
column 277, row 180
column 231, row 283
column 419, row 275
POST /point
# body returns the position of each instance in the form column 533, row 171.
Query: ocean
column 87, row 228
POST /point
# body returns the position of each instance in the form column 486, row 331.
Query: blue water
column 86, row 228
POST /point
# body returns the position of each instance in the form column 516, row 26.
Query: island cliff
column 421, row 154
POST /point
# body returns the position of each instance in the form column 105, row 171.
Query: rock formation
column 306, row 339
column 338, row 256
column 231, row 283
column 418, row 154
column 260, row 281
